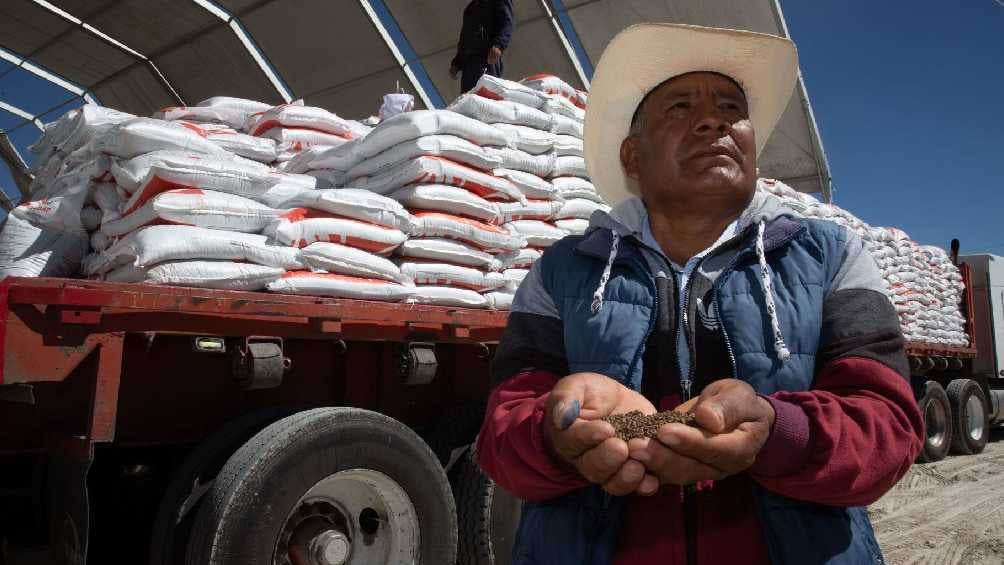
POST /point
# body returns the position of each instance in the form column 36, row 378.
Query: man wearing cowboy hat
column 699, row 290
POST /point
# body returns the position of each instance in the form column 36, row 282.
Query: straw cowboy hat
column 643, row 56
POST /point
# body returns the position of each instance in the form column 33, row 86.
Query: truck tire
column 937, row 413
column 349, row 485
column 486, row 515
column 970, row 416
column 183, row 496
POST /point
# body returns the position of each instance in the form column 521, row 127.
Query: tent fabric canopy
column 343, row 55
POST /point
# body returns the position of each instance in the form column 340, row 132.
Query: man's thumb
column 566, row 412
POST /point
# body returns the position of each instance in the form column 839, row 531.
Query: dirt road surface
column 949, row 512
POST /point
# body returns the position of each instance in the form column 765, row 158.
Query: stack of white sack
column 434, row 163
column 346, row 236
column 922, row 283
column 295, row 127
column 543, row 158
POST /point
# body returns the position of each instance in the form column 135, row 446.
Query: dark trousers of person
column 471, row 72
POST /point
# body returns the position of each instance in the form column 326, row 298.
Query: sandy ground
column 947, row 512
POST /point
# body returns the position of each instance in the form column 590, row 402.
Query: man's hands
column 733, row 426
column 580, row 439
column 494, row 55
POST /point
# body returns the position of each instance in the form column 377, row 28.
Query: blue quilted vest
column 803, row 256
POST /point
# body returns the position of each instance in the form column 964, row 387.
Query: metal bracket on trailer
column 418, row 363
column 258, row 362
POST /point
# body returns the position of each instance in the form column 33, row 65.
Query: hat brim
column 644, row 56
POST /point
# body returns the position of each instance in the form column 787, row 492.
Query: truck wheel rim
column 934, row 417
column 974, row 417
column 353, row 517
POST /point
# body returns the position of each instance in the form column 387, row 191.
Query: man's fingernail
column 641, row 455
column 600, row 436
column 568, row 415
column 669, row 439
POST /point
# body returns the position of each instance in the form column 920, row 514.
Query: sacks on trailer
column 108, row 198
column 298, row 139
column 340, row 286
column 483, row 236
column 159, row 244
column 449, row 199
column 448, row 251
column 450, row 147
column 521, row 259
column 514, row 277
column 435, row 170
column 527, row 139
column 300, row 227
column 515, row 159
column 569, row 166
column 568, row 145
column 344, row 260
column 137, row 136
column 536, row 233
column 222, row 275
column 533, row 210
column 447, row 274
column 196, row 207
column 37, row 249
column 357, row 204
column 447, row 296
column 259, row 149
column 100, row 241
column 413, row 125
column 245, row 107
column 229, row 116
column 90, row 218
column 497, row 88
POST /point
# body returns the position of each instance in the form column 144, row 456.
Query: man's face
column 692, row 139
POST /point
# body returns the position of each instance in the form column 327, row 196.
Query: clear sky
column 907, row 94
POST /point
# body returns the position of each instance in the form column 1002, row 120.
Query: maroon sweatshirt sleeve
column 847, row 441
column 511, row 448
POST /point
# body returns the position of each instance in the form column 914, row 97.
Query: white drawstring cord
column 605, row 277
column 780, row 347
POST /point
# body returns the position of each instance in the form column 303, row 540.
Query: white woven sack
column 514, row 277
column 500, row 300
column 433, row 170
column 448, row 251
column 224, row 173
column 532, row 210
column 222, row 275
column 158, row 244
column 484, row 236
column 32, row 250
column 356, row 204
column 568, row 145
column 74, row 130
column 100, row 241
column 90, row 218
column 196, row 207
column 300, row 228
column 412, row 125
column 570, row 166
column 258, row 149
column 537, row 233
column 521, row 259
column 497, row 88
column 447, row 296
column 446, row 146
column 528, row 185
column 232, row 117
column 298, row 139
column 109, row 198
column 338, row 158
column 449, row 199
column 501, row 111
column 142, row 135
column 575, row 187
column 249, row 106
column 573, row 226
column 554, row 85
column 515, row 159
column 580, row 208
column 293, row 116
column 530, row 140
column 344, row 260
column 446, row 274
column 340, row 286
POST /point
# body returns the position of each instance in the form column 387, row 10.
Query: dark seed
column 635, row 424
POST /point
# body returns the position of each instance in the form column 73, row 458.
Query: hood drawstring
column 605, row 277
column 781, row 348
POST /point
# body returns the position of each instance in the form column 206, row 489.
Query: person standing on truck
column 698, row 292
column 484, row 36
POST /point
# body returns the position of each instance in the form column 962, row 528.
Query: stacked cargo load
column 921, row 281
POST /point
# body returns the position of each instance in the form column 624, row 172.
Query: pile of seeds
column 635, row 424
